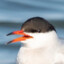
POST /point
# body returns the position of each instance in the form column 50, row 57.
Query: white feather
column 43, row 48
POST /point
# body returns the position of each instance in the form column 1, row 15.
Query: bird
column 41, row 44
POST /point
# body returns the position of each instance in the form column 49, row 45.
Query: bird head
column 33, row 31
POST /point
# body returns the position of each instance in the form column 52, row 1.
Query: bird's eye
column 36, row 31
column 33, row 31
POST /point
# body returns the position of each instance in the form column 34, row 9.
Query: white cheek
column 41, row 39
column 36, row 41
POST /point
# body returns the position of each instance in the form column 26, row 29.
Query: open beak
column 20, row 32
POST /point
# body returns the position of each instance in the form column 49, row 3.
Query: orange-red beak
column 20, row 32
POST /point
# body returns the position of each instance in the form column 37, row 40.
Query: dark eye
column 35, row 31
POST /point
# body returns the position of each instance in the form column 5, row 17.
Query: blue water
column 17, row 10
column 8, row 53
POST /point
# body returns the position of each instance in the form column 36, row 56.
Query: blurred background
column 14, row 12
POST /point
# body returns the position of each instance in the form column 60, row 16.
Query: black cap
column 37, row 24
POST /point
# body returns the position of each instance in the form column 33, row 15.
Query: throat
column 36, row 45
column 40, row 49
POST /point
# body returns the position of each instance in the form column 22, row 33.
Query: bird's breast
column 37, row 56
